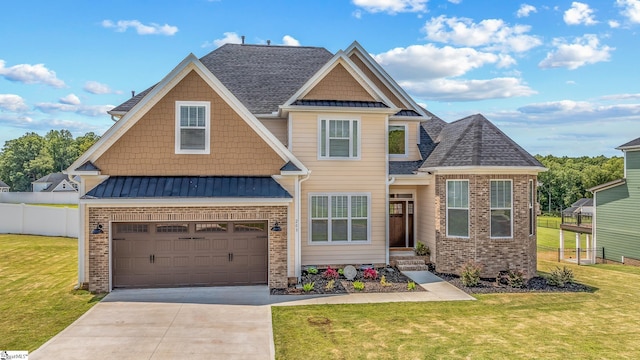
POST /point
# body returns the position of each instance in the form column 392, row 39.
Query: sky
column 558, row 77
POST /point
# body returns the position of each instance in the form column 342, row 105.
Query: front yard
column 37, row 301
column 503, row 326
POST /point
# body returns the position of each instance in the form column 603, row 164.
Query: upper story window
column 501, row 209
column 458, row 208
column 339, row 139
column 193, row 121
column 397, row 140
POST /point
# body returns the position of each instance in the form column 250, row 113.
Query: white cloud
column 455, row 1
column 70, row 99
column 392, row 6
column 16, row 120
column 525, row 10
column 229, row 38
column 613, row 24
column 94, row 87
column 570, row 82
column 357, row 14
column 584, row 50
column 141, row 29
column 579, row 13
column 556, row 106
column 31, row 74
column 290, row 41
column 11, row 102
column 631, row 9
column 494, row 34
column 621, row 97
column 467, row 90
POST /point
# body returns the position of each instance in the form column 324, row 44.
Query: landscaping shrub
column 422, row 249
column 560, row 277
column 515, row 278
column 330, row 273
column 370, row 274
column 470, row 274
column 358, row 285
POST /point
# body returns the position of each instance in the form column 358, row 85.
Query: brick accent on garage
column 99, row 243
column 516, row 253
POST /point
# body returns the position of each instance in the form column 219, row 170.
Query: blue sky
column 559, row 77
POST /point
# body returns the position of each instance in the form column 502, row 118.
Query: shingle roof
column 341, row 103
column 87, row 166
column 132, row 101
column 289, row 167
column 3, row 184
column 188, row 187
column 406, row 112
column 630, row 144
column 475, row 141
column 429, row 130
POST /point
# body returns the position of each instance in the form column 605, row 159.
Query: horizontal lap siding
column 425, row 207
column 365, row 175
column 618, row 215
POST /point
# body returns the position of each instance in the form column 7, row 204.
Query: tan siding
column 413, row 153
column 278, row 128
column 364, row 175
column 426, row 210
column 148, row 148
column 385, row 90
column 338, row 84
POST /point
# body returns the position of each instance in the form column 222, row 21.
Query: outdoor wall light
column 276, row 227
column 98, row 229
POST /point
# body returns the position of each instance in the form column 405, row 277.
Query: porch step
column 410, row 263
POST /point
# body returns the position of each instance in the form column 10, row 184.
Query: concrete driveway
column 183, row 323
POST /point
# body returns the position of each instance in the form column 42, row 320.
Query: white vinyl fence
column 38, row 220
column 39, row 197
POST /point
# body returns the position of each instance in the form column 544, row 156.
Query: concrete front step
column 422, row 267
column 412, row 257
column 410, row 262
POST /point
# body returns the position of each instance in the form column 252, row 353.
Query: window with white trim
column 339, row 218
column 193, row 127
column 458, row 208
column 339, row 139
column 398, row 140
column 532, row 214
column 501, row 209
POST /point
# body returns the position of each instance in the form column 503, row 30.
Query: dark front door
column 401, row 224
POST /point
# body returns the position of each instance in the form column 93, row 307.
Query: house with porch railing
column 578, row 219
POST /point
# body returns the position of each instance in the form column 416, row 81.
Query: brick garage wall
column 517, row 253
column 99, row 243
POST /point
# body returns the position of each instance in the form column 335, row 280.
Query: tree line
column 568, row 178
column 33, row 156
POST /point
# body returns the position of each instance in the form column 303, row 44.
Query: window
column 458, row 208
column 532, row 215
column 500, row 208
column 192, row 127
column 339, row 139
column 339, row 218
column 397, row 140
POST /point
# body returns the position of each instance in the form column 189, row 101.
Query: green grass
column 551, row 238
column 499, row 326
column 37, row 300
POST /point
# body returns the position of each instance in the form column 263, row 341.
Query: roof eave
column 287, row 108
column 483, row 169
column 607, row 185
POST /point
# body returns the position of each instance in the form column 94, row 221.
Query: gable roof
column 190, row 63
column 475, row 141
column 145, row 187
column 633, row 144
column 3, row 184
column 53, row 180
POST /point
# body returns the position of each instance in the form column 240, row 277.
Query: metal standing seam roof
column 136, row 187
column 341, row 103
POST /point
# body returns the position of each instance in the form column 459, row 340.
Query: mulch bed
column 536, row 284
column 396, row 282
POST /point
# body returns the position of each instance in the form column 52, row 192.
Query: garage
column 172, row 254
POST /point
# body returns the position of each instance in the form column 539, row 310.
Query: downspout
column 298, row 239
column 390, row 182
column 81, row 247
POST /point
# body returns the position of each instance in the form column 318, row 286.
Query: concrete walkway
column 201, row 323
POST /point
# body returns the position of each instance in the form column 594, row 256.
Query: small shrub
column 358, row 285
column 470, row 274
column 330, row 284
column 515, row 278
column 422, row 249
column 308, row 286
column 370, row 274
column 383, row 281
column 312, row 270
column 330, row 273
column 411, row 286
column 341, row 272
column 560, row 277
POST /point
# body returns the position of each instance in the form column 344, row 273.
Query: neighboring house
column 3, row 186
column 616, row 222
column 246, row 165
column 54, row 182
column 582, row 206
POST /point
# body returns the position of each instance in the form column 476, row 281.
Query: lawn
column 37, row 300
column 595, row 325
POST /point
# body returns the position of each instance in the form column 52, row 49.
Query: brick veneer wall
column 99, row 243
column 516, row 253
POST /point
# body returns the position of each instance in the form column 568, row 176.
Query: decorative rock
column 350, row 272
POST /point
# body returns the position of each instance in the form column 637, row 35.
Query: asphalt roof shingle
column 632, row 143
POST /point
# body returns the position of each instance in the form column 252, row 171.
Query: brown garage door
column 189, row 254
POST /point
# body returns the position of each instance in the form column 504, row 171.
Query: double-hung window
column 339, row 218
column 458, row 208
column 532, row 215
column 397, row 140
column 193, row 121
column 339, row 139
column 501, row 209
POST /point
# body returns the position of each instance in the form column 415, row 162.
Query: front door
column 401, row 224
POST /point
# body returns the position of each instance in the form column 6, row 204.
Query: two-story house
column 247, row 164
